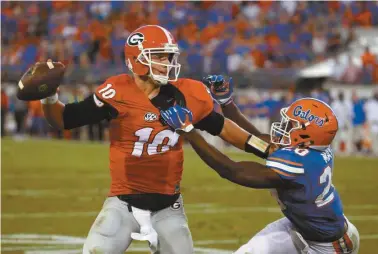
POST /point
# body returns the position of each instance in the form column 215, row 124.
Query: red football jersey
column 145, row 156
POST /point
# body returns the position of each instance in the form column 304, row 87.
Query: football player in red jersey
column 146, row 155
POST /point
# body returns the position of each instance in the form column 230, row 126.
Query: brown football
column 40, row 81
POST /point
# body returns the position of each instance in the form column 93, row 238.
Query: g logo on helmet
column 134, row 39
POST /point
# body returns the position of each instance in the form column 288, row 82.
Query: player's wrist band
column 188, row 128
column 227, row 102
column 50, row 100
column 257, row 146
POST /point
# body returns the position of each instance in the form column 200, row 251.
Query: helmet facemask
column 173, row 67
column 280, row 132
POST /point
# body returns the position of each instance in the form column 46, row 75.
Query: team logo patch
column 176, row 206
column 135, row 39
column 150, row 117
column 307, row 115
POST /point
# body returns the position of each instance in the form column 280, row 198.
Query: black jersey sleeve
column 212, row 123
column 89, row 111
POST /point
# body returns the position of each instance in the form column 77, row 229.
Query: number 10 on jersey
column 161, row 143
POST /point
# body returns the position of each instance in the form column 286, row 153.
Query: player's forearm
column 255, row 175
column 54, row 114
column 232, row 112
column 209, row 154
column 238, row 137
column 233, row 134
column 249, row 174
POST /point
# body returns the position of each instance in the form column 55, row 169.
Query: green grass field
column 53, row 190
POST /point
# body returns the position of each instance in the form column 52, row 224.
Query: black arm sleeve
column 87, row 112
column 212, row 123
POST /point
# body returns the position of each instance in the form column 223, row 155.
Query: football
column 40, row 81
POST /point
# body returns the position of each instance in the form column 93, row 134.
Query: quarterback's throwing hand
column 221, row 90
column 179, row 118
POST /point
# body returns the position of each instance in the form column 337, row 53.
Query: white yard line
column 369, row 237
column 363, row 217
column 77, row 251
column 69, row 192
column 48, row 215
column 57, row 244
column 66, row 193
column 201, row 208
column 233, row 210
column 210, row 242
column 54, row 176
column 55, row 192
column 205, row 211
column 38, row 248
column 137, row 249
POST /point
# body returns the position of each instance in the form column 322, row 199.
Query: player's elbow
column 54, row 115
column 227, row 171
column 54, row 122
column 236, row 177
column 224, row 174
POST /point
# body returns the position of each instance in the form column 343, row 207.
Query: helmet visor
column 280, row 131
column 161, row 71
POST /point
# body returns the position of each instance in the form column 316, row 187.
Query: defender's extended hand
column 221, row 90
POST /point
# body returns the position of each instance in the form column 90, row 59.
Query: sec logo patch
column 150, row 117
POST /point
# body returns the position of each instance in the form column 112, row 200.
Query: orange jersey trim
column 337, row 247
column 286, row 161
column 338, row 244
column 348, row 242
column 283, row 173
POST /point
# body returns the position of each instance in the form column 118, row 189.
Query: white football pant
column 280, row 237
column 112, row 229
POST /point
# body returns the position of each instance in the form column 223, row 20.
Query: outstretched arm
column 246, row 173
column 74, row 115
column 221, row 91
column 238, row 137
column 232, row 112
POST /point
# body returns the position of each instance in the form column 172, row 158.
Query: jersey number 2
column 161, row 143
column 321, row 200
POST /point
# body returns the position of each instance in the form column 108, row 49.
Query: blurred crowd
column 235, row 38
column 215, row 37
column 22, row 119
column 358, row 124
column 357, row 116
column 347, row 71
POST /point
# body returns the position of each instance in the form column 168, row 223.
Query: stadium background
column 275, row 52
